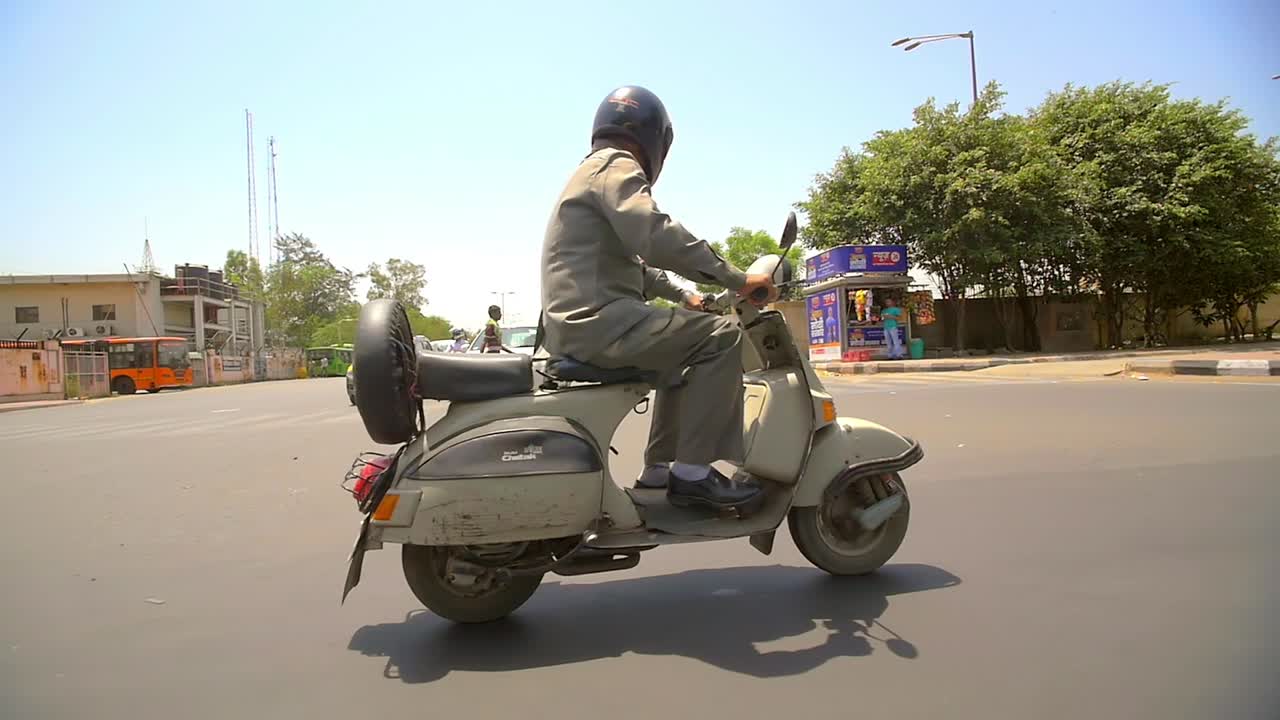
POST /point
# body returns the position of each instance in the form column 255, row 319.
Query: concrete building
column 196, row 304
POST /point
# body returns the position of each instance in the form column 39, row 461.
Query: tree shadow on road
column 716, row 616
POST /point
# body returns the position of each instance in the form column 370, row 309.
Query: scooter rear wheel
column 427, row 571
column 829, row 537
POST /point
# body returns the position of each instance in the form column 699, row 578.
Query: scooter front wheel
column 830, row 535
column 459, row 591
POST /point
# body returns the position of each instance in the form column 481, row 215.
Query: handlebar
column 760, row 295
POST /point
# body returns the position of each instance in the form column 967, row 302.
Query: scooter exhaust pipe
column 878, row 514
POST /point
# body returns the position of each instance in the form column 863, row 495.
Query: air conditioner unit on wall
column 75, row 332
column 103, row 329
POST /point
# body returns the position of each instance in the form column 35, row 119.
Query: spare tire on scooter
column 386, row 373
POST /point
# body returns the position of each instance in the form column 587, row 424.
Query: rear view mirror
column 788, row 234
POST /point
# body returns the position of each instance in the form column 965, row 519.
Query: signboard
column 878, row 258
column 826, row 265
column 824, row 325
column 873, row 336
column 855, row 258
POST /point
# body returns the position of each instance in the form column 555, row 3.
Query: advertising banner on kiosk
column 855, row 259
column 873, row 336
column 824, row 325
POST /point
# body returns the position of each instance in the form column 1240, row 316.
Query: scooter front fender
column 852, row 443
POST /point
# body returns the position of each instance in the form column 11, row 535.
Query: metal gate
column 86, row 375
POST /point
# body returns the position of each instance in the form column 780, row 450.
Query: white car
column 519, row 339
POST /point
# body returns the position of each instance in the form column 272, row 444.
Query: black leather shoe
column 654, row 477
column 715, row 492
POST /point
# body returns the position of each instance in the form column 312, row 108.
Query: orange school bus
column 141, row 363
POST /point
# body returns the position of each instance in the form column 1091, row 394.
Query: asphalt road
column 1078, row 549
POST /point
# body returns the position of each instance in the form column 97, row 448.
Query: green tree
column 399, row 279
column 1028, row 243
column 965, row 191
column 245, row 273
column 305, row 291
column 1117, row 190
column 743, row 246
column 1246, row 270
column 432, row 327
column 338, row 331
column 342, row 329
column 1167, row 191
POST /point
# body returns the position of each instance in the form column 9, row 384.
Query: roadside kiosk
column 845, row 291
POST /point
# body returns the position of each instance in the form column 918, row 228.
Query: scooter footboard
column 853, row 443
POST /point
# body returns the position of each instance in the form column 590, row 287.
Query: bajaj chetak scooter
column 513, row 481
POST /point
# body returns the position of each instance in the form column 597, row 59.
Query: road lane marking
column 84, row 430
column 230, row 423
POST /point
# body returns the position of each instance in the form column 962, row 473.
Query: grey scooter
column 513, row 481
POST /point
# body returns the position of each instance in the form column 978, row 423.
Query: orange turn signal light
column 828, row 411
column 386, row 508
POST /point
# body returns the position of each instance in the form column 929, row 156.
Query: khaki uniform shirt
column 606, row 247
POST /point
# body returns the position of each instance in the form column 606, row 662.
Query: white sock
column 690, row 473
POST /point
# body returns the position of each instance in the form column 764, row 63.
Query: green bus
column 329, row 361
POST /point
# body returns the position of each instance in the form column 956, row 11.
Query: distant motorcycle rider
column 459, row 341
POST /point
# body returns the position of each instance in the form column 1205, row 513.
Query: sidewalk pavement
column 1269, row 351
column 34, row 404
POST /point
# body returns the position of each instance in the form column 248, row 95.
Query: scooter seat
column 563, row 367
column 470, row 377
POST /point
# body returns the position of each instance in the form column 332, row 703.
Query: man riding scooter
column 607, row 245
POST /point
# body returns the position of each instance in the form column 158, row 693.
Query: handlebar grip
column 759, row 295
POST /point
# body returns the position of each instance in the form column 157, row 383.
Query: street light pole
column 973, row 67
column 973, row 54
column 502, row 299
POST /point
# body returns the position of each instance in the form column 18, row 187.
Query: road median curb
column 1234, row 367
column 1247, row 368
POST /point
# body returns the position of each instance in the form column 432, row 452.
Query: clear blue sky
column 442, row 132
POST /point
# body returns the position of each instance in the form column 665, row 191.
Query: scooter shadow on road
column 717, row 616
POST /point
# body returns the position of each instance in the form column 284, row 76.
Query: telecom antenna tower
column 148, row 260
column 254, row 249
column 273, row 201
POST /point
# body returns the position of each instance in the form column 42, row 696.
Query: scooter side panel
column 848, row 442
column 778, row 419
column 594, row 411
column 598, row 409
column 502, row 509
column 536, row 445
